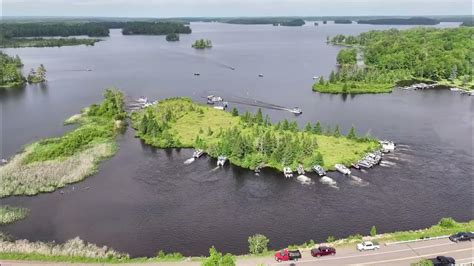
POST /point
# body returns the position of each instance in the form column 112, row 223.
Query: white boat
column 365, row 164
column 319, row 170
column 387, row 146
column 211, row 99
column 296, row 110
column 198, row 153
column 328, row 180
column 342, row 169
column 221, row 160
column 316, row 77
column 455, row 89
column 287, row 172
column 300, row 169
column 355, row 165
column 219, row 107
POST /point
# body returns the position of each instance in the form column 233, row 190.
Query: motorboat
column 197, row 74
column 342, row 169
column 304, row 179
column 319, row 170
column 296, row 110
column 287, row 172
column 211, row 99
column 387, row 146
column 455, row 89
column 316, row 77
column 364, row 164
column 260, row 75
column 221, row 160
column 355, row 165
column 328, row 180
column 300, row 169
column 198, row 153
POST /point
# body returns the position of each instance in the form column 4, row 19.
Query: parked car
column 286, row 255
column 443, row 261
column 461, row 236
column 367, row 245
column 323, row 251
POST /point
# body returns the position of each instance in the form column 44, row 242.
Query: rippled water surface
column 145, row 199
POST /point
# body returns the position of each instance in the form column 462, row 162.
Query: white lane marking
column 372, row 254
column 414, row 257
column 465, row 260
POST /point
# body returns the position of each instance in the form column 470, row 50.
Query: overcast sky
column 200, row 8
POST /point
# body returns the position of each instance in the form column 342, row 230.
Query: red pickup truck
column 286, row 255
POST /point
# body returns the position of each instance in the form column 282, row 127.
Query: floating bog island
column 248, row 140
column 52, row 163
column 202, row 44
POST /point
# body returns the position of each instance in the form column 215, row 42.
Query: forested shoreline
column 436, row 55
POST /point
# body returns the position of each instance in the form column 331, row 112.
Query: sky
column 229, row 8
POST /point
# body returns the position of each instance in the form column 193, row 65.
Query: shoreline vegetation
column 248, row 141
column 432, row 55
column 10, row 70
column 9, row 214
column 52, row 163
column 172, row 37
column 79, row 251
column 276, row 21
column 202, row 44
column 45, row 42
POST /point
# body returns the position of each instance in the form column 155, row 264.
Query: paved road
column 399, row 254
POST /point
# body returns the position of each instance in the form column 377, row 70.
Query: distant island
column 45, row 42
column 10, row 69
column 342, row 21
column 426, row 54
column 202, row 44
column 273, row 21
column 400, row 21
column 172, row 37
column 154, row 28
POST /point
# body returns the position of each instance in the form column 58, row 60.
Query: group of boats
column 142, row 102
column 419, row 86
column 465, row 92
column 217, row 101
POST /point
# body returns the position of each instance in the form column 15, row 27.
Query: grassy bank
column 10, row 214
column 248, row 140
column 49, row 164
column 353, row 88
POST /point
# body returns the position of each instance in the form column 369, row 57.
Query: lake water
column 145, row 199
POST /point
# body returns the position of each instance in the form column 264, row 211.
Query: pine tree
column 285, row 125
column 317, row 128
column 308, row 128
column 352, row 133
column 337, row 133
column 332, row 77
column 235, row 112
column 321, row 80
column 259, row 117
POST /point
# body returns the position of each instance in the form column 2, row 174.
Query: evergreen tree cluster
column 10, row 74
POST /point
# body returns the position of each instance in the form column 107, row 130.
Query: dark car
column 443, row 261
column 461, row 236
column 323, row 251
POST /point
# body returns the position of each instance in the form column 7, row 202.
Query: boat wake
column 304, row 180
column 355, row 180
column 387, row 163
column 363, row 171
column 215, row 169
column 189, row 161
column 328, row 181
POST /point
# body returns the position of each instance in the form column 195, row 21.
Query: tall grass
column 10, row 214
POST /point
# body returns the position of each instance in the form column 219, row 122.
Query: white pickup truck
column 367, row 245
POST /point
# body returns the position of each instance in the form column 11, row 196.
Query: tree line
column 15, row 30
column 154, row 28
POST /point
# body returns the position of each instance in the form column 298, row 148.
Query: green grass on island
column 10, row 214
column 48, row 164
column 248, row 140
column 441, row 56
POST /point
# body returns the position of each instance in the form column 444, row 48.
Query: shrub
column 217, row 259
column 258, row 244
column 373, row 231
column 330, row 239
column 173, row 256
column 423, row 262
column 447, row 222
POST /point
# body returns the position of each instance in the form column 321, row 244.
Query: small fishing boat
column 198, row 153
column 455, row 89
column 304, row 179
column 364, row 164
column 221, row 160
column 287, row 172
column 260, row 75
column 316, row 77
column 300, row 169
column 328, row 180
column 355, row 165
column 296, row 110
column 319, row 170
column 233, row 68
column 211, row 99
column 197, row 74
column 342, row 169
column 387, row 146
